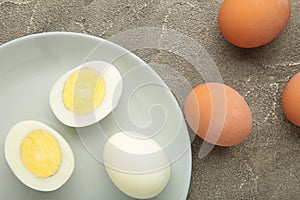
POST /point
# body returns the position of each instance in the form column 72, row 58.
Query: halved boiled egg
column 86, row 94
column 38, row 156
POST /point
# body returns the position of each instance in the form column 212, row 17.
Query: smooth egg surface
column 138, row 167
column 218, row 114
column 253, row 23
column 291, row 100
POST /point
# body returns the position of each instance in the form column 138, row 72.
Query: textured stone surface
column 267, row 165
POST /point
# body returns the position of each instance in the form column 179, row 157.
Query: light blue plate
column 29, row 67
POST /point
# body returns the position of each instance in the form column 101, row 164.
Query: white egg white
column 13, row 143
column 132, row 167
column 113, row 84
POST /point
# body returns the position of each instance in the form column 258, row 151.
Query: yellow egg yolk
column 84, row 91
column 41, row 153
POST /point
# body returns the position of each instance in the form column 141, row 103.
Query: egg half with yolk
column 86, row 94
column 38, row 156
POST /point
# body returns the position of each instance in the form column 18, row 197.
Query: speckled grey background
column 267, row 165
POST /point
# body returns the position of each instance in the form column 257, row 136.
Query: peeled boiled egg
column 253, row 23
column 218, row 114
column 291, row 100
column 139, row 167
column 38, row 156
column 86, row 94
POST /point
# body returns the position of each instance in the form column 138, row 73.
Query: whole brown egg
column 253, row 23
column 218, row 114
column 291, row 100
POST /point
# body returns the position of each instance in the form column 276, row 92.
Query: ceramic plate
column 29, row 67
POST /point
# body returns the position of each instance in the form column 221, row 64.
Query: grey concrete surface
column 267, row 164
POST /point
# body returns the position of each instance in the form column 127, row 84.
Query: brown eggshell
column 253, row 23
column 218, row 114
column 291, row 100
